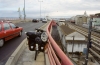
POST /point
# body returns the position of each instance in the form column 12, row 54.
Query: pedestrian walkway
column 27, row 58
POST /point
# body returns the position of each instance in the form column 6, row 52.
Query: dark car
column 35, row 20
column 8, row 31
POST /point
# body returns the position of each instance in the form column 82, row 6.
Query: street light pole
column 40, row 8
column 24, row 11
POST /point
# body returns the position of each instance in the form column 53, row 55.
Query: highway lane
column 10, row 46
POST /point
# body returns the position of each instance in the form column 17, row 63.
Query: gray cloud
column 10, row 7
column 8, row 13
column 8, row 3
column 91, row 1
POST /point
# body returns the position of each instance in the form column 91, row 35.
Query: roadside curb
column 14, row 57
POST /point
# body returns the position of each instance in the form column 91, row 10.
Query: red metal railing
column 55, row 54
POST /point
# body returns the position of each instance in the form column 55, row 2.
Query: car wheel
column 1, row 42
column 20, row 34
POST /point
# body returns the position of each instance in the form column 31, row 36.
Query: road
column 10, row 46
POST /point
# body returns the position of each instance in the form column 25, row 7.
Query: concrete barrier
column 14, row 57
column 17, row 21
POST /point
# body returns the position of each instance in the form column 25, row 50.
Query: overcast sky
column 52, row 8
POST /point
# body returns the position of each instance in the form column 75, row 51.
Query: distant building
column 96, row 19
column 97, row 15
column 80, row 19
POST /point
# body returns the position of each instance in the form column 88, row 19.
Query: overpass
column 53, row 55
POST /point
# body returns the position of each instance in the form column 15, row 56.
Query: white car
column 44, row 20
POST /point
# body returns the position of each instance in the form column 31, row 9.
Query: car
column 44, row 20
column 35, row 20
column 61, row 22
column 8, row 31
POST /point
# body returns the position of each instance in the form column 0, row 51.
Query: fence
column 55, row 54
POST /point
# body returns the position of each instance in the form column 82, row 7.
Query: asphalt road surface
column 10, row 46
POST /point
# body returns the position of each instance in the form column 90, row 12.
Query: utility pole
column 40, row 8
column 89, row 41
column 24, row 12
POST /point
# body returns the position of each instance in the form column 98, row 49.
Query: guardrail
column 55, row 54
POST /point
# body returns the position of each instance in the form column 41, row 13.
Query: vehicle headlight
column 44, row 37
